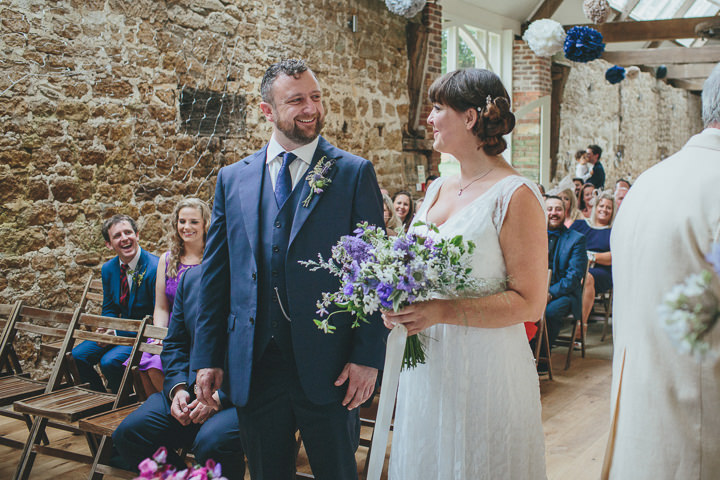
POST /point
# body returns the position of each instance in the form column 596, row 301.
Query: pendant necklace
column 460, row 191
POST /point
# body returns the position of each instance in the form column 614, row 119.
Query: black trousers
column 277, row 408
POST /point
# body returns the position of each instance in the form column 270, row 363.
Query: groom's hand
column 207, row 382
column 361, row 384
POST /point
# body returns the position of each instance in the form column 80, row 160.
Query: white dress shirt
column 298, row 167
column 131, row 267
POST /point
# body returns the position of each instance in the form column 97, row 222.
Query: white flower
column 545, row 37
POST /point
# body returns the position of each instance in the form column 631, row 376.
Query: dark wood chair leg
column 27, row 458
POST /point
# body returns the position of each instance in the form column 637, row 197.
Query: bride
column 473, row 410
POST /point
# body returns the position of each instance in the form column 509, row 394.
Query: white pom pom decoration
column 596, row 10
column 632, row 72
column 545, row 37
column 406, row 8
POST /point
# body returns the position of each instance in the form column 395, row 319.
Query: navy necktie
column 283, row 184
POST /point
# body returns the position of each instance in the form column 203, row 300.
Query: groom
column 258, row 302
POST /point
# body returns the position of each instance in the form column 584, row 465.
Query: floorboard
column 576, row 410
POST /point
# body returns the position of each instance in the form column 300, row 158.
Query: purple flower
column 147, row 468
column 384, row 291
column 160, row 456
column 714, row 257
column 356, row 248
column 348, row 289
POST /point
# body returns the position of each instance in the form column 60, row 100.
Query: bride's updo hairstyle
column 482, row 90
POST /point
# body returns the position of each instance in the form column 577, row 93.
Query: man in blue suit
column 173, row 418
column 258, row 302
column 567, row 257
column 128, row 292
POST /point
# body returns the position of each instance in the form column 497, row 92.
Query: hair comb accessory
column 488, row 101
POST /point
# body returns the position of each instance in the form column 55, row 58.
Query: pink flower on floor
column 155, row 468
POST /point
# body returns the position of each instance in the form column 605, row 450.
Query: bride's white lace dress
column 473, row 410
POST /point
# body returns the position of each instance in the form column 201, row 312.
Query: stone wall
column 90, row 121
column 637, row 122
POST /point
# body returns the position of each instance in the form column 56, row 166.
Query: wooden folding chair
column 69, row 405
column 16, row 385
column 542, row 345
column 91, row 298
column 104, row 424
column 8, row 313
column 604, row 301
column 569, row 341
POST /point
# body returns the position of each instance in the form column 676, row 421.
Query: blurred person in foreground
column 666, row 404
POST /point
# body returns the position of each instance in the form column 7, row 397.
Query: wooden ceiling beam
column 695, row 85
column 663, row 56
column 631, row 31
column 690, row 70
column 627, row 9
column 546, row 10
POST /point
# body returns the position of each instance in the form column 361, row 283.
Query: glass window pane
column 443, row 67
column 618, row 4
column 655, row 9
column 702, row 8
column 466, row 59
column 494, row 52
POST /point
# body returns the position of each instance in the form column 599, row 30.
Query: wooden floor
column 576, row 406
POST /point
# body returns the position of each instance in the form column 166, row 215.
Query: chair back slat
column 40, row 330
column 93, row 292
column 98, row 321
column 153, row 331
column 35, row 314
column 102, row 338
column 152, row 348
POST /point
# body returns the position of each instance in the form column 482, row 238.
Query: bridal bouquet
column 155, row 468
column 692, row 308
column 381, row 272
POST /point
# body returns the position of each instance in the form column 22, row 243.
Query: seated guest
column 128, row 292
column 622, row 183
column 403, row 204
column 393, row 225
column 578, row 182
column 174, row 418
column 190, row 222
column 620, row 196
column 597, row 235
column 570, row 204
column 567, row 257
column 621, row 189
column 541, row 188
column 587, row 199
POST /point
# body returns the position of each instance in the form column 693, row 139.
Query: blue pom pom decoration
column 583, row 44
column 615, row 74
column 661, row 72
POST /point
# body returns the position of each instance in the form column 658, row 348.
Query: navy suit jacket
column 180, row 339
column 142, row 297
column 598, row 176
column 229, row 278
column 568, row 268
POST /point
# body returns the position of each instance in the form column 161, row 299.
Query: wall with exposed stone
column 637, row 122
column 90, row 117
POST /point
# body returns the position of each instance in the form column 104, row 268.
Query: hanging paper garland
column 615, row 74
column 632, row 72
column 583, row 44
column 545, row 37
column 406, row 8
column 596, row 10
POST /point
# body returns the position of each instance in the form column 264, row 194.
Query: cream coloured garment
column 669, row 408
column 472, row 412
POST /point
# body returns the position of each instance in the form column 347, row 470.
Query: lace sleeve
column 509, row 187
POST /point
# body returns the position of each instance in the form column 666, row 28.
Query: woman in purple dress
column 191, row 220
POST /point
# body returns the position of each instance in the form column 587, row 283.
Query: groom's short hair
column 291, row 67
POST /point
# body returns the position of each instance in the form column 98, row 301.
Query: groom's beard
column 293, row 132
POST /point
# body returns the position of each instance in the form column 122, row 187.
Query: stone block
column 14, row 21
column 15, row 158
column 89, row 259
column 43, row 263
column 113, row 88
column 41, row 213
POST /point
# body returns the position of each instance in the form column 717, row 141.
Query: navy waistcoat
column 275, row 226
